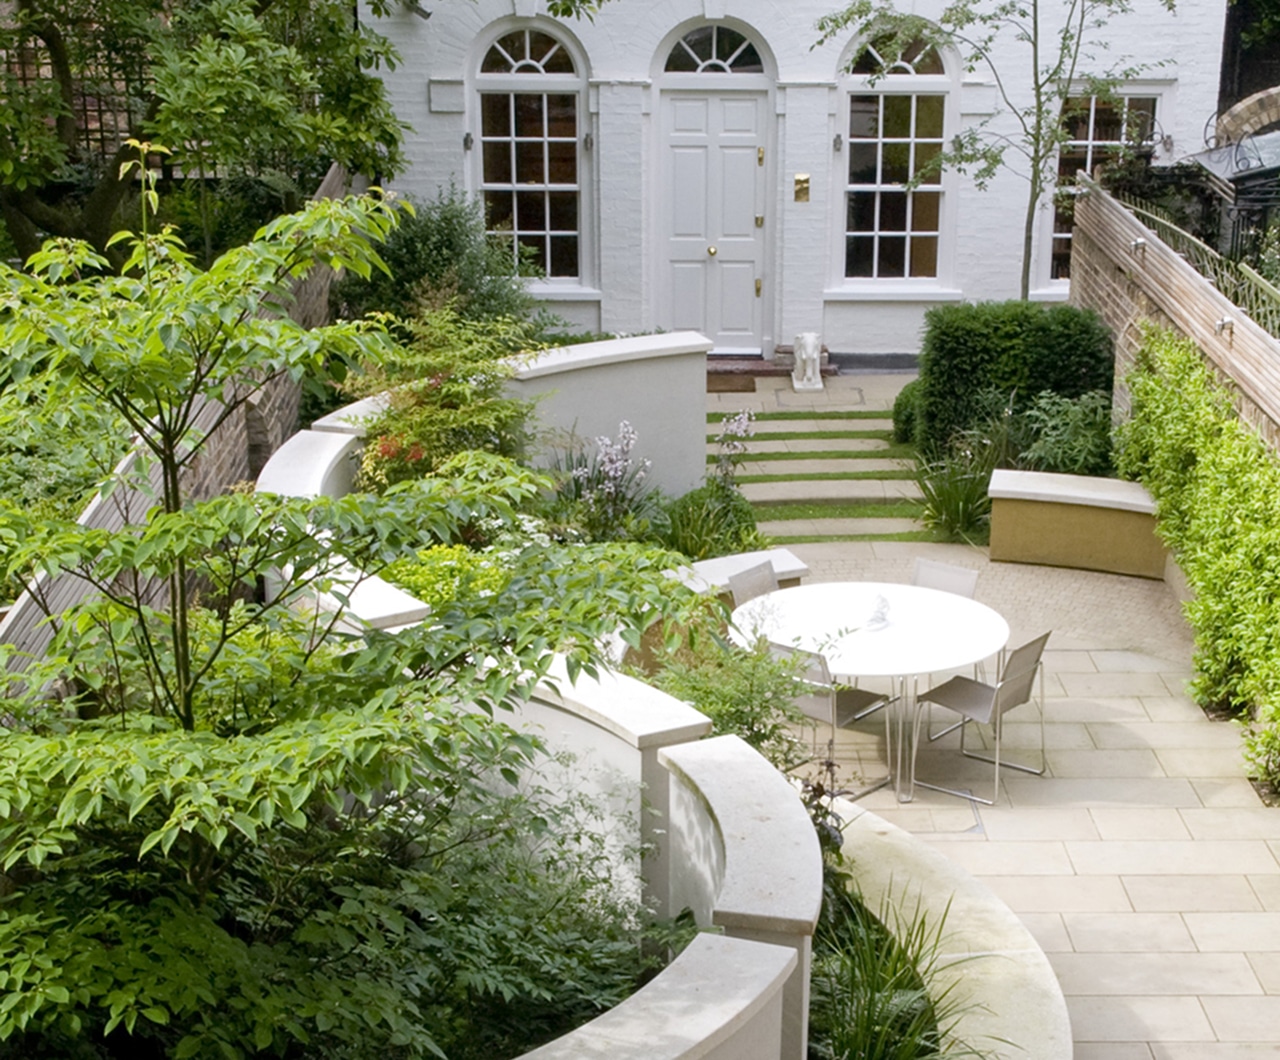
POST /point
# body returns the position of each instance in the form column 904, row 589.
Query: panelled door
column 713, row 186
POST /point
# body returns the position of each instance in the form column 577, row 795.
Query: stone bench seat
column 1075, row 521
column 712, row 575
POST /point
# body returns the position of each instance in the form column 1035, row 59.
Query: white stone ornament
column 807, row 374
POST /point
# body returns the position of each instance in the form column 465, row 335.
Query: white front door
column 713, row 217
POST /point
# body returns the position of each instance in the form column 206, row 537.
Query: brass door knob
column 711, row 251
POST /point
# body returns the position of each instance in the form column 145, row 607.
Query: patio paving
column 1143, row 861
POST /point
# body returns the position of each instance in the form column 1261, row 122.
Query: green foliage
column 906, row 412
column 875, row 993
column 713, row 520
column 748, row 692
column 445, row 392
column 440, row 256
column 1072, row 436
column 439, row 575
column 283, row 87
column 229, row 823
column 954, row 488
column 1013, row 347
column 1216, row 485
column 601, row 494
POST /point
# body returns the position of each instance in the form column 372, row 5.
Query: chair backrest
column 1019, row 675
column 930, row 574
column 754, row 581
column 818, row 699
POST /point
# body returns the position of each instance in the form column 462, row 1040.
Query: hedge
column 1015, row 347
column 1216, row 485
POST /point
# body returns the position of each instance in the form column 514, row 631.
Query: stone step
column 830, row 490
column 837, row 527
column 808, row 445
column 765, row 427
column 815, row 467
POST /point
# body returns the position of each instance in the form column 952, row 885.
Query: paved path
column 1143, row 861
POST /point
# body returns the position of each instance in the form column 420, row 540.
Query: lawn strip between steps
column 829, row 476
column 801, row 539
column 817, row 436
column 893, row 452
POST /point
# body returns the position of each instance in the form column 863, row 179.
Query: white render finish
column 622, row 54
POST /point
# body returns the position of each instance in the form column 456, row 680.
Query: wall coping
column 712, row 575
column 772, row 864
column 1085, row 490
column 1013, row 1002
column 609, row 351
column 353, row 418
column 311, row 464
column 679, row 1014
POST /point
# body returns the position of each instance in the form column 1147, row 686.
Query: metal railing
column 1251, row 292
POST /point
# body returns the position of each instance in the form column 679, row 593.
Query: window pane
column 1075, row 116
column 681, row 60
column 926, row 153
column 929, row 114
column 924, row 58
column 864, row 116
column 564, row 211
column 893, row 211
column 564, row 256
column 562, row 116
column 859, row 259
column 529, row 163
column 531, row 211
column 1108, row 122
column 497, row 61
column 862, row 212
column 924, row 256
column 497, row 163
column 550, row 54
column 562, row 163
column 893, row 257
column 533, row 250
column 1061, row 267
column 924, row 211
column 728, row 41
column 1142, row 118
column 748, row 61
column 894, row 169
column 700, row 42
column 1070, row 162
column 862, row 163
column 528, row 114
column 497, row 209
column 495, row 115
column 897, row 116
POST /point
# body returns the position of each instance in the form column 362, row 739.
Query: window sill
column 1053, row 291
column 565, row 292
column 893, row 291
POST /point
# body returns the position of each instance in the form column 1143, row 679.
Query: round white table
column 877, row 629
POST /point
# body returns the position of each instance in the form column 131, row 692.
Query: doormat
column 730, row 383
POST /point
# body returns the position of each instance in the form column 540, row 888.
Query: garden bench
column 712, row 575
column 1078, row 521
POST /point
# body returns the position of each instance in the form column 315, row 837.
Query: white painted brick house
column 699, row 164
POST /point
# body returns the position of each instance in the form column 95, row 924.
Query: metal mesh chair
column 930, row 574
column 988, row 704
column 836, row 705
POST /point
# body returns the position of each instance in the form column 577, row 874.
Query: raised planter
column 1075, row 521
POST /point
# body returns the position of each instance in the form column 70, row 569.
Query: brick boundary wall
column 1250, row 115
column 1124, row 272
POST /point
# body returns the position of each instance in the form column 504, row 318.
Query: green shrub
column 747, row 692
column 446, row 391
column 713, row 520
column 1019, row 348
column 954, row 488
column 905, row 412
column 1216, row 485
column 1073, row 435
column 440, row 255
column 444, row 573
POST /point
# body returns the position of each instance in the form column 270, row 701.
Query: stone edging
column 1013, row 1004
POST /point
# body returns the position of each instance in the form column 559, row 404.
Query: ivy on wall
column 1216, row 485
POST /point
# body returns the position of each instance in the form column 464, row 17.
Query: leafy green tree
column 1060, row 44
column 231, row 823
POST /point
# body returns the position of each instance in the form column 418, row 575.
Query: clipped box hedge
column 1016, row 347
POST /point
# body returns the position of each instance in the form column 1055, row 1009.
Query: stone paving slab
column 831, row 490
column 821, row 466
column 764, row 428
column 808, row 445
column 837, row 527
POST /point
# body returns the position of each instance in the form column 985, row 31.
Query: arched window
column 530, row 111
column 715, row 50
column 896, row 131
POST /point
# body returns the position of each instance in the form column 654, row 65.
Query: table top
column 876, row 629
